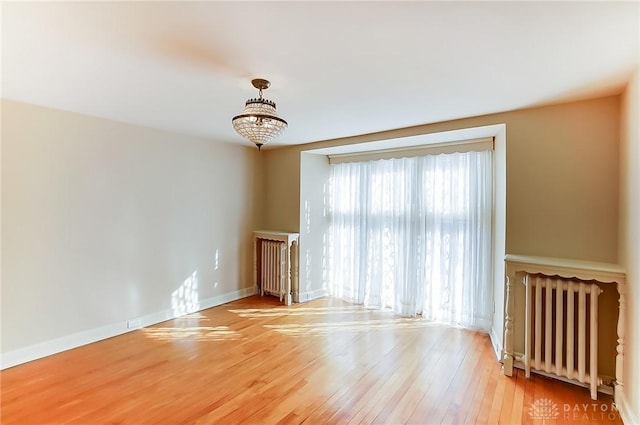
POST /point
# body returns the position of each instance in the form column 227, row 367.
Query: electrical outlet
column 134, row 324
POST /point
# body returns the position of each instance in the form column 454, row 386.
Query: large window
column 414, row 234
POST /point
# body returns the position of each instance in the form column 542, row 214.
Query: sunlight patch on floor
column 325, row 328
column 197, row 333
column 304, row 311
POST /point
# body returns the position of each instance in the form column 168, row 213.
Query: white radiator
column 275, row 264
column 273, row 260
column 557, row 314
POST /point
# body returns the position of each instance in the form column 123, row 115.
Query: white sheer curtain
column 414, row 234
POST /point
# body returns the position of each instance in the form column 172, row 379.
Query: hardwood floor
column 254, row 361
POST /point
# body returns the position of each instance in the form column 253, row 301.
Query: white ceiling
column 337, row 68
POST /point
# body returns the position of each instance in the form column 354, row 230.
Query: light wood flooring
column 254, row 361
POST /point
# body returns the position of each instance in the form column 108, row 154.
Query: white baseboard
column 496, row 343
column 628, row 416
column 311, row 295
column 57, row 345
column 225, row 298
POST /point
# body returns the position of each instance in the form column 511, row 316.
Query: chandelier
column 259, row 122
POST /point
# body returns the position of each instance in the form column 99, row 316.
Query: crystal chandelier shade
column 259, row 122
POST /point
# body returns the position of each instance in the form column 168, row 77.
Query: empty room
column 327, row 212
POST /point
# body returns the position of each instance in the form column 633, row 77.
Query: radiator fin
column 272, row 267
column 551, row 325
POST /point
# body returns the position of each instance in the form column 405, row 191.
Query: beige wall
column 562, row 177
column 281, row 210
column 630, row 240
column 103, row 222
column 562, row 184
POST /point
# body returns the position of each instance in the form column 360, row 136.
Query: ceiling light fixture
column 259, row 122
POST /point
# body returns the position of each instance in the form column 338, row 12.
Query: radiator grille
column 561, row 329
column 272, row 267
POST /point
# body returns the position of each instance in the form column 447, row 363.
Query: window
column 414, row 234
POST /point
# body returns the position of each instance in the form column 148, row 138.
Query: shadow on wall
column 314, row 255
column 216, row 266
column 325, row 236
column 307, row 255
column 186, row 299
